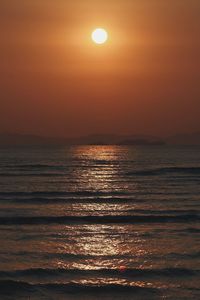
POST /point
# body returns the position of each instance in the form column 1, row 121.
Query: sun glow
column 99, row 36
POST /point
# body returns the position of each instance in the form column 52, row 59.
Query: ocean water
column 100, row 222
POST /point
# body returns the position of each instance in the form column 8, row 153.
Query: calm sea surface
column 100, row 222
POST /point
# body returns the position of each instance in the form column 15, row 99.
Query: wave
column 34, row 166
column 83, row 164
column 185, row 230
column 32, row 174
column 78, row 199
column 166, row 170
column 49, row 255
column 193, row 255
column 11, row 287
column 126, row 272
column 62, row 170
column 87, row 199
column 65, row 193
column 100, row 219
column 96, row 195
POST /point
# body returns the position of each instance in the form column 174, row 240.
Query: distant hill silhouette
column 143, row 142
column 99, row 139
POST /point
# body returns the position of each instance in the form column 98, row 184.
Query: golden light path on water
column 103, row 170
column 107, row 243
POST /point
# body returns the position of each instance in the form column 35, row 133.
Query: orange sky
column 55, row 81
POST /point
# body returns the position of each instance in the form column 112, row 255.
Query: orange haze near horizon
column 55, row 81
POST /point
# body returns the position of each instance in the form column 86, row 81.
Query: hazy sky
column 55, row 81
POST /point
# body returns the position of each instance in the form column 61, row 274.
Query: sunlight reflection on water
column 60, row 195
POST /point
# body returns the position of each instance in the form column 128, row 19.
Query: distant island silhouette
column 7, row 139
column 142, row 142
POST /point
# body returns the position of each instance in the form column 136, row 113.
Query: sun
column 99, row 36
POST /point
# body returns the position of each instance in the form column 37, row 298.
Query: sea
column 100, row 222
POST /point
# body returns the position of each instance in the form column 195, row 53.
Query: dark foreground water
column 100, row 223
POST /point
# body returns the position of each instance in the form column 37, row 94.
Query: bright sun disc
column 99, row 36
